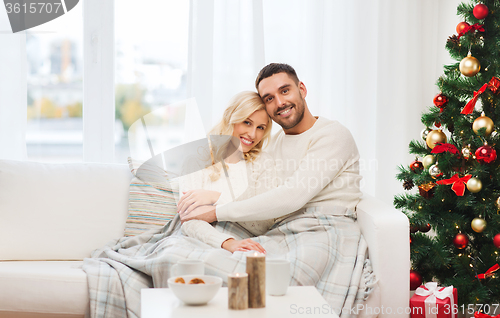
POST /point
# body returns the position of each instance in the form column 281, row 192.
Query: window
column 55, row 89
column 151, row 47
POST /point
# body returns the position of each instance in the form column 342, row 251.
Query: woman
column 240, row 169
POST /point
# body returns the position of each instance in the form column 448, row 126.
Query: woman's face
column 251, row 130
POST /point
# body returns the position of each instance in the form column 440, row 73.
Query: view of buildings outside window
column 151, row 59
column 55, row 89
column 150, row 74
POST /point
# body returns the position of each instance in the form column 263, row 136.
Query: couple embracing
column 312, row 163
column 297, row 203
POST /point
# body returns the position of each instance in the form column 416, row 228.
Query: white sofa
column 53, row 215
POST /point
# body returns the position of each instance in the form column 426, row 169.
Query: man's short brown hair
column 275, row 68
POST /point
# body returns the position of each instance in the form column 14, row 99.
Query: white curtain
column 226, row 50
column 371, row 65
column 13, row 91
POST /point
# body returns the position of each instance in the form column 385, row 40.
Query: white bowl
column 195, row 294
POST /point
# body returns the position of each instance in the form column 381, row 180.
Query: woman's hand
column 194, row 198
column 233, row 245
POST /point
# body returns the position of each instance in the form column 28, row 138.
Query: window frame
column 13, row 92
column 98, row 81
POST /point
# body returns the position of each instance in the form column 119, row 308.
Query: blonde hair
column 241, row 106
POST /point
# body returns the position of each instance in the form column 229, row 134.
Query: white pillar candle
column 237, row 290
column 256, row 270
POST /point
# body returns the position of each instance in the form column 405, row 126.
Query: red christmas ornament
column 440, row 100
column 424, row 228
column 415, row 280
column 460, row 241
column 413, row 228
column 416, row 166
column 461, row 26
column 496, row 240
column 486, row 154
column 480, row 11
column 438, row 124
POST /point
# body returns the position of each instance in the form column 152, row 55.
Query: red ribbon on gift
column 474, row 27
column 478, row 314
column 443, row 147
column 434, row 294
column 458, row 183
column 489, row 272
column 470, row 105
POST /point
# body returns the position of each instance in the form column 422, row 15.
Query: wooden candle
column 237, row 291
column 256, row 270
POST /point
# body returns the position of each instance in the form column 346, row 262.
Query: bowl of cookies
column 195, row 289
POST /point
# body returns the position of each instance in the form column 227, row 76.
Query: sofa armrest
column 386, row 230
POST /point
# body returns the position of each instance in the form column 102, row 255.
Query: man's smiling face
column 284, row 99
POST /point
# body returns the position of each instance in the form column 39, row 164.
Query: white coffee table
column 299, row 301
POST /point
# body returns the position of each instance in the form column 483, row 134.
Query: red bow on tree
column 470, row 105
column 443, row 147
column 474, row 27
column 458, row 183
column 489, row 272
column 478, row 314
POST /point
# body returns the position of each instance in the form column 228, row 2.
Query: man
column 317, row 160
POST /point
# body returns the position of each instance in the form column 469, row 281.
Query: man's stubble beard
column 300, row 115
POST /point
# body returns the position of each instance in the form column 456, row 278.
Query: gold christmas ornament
column 483, row 122
column 469, row 66
column 497, row 203
column 435, row 172
column 428, row 161
column 474, row 185
column 478, row 225
column 434, row 137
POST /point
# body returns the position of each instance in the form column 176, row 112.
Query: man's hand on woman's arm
column 204, row 213
column 195, row 198
column 233, row 245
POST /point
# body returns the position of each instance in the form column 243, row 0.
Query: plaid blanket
column 325, row 250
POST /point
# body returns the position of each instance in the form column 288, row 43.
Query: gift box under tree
column 431, row 301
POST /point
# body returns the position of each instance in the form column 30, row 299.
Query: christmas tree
column 456, row 168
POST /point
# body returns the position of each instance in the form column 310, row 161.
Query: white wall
column 413, row 58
